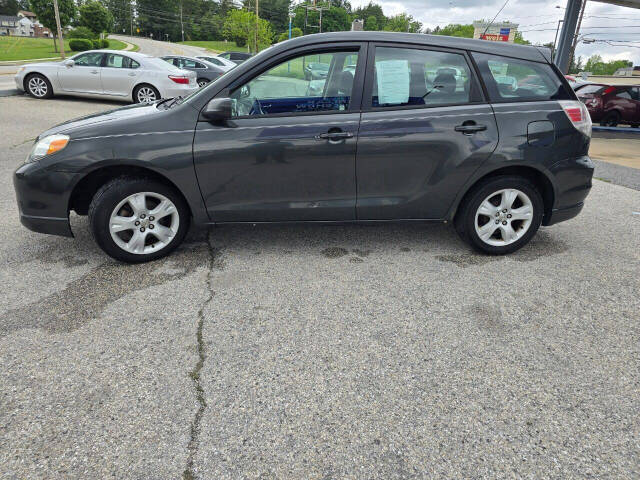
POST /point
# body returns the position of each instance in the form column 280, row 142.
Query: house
column 30, row 26
column 8, row 25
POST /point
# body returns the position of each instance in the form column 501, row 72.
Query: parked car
column 256, row 147
column 576, row 82
column 316, row 71
column 106, row 74
column 205, row 71
column 612, row 105
column 219, row 61
column 236, row 57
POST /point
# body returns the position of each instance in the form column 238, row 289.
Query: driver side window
column 309, row 83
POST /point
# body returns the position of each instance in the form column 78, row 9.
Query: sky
column 538, row 20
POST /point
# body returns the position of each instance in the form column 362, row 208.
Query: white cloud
column 538, row 21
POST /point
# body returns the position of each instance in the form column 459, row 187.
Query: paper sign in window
column 393, row 81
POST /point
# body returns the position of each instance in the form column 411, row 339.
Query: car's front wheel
column 38, row 86
column 138, row 219
column 500, row 215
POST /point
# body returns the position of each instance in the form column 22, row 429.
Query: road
column 297, row 352
column 157, row 48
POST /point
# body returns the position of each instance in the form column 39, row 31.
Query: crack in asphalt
column 194, row 438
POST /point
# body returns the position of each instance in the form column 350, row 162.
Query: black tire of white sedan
column 38, row 86
column 138, row 219
column 145, row 93
column 500, row 215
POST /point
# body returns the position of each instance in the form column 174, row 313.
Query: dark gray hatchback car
column 403, row 127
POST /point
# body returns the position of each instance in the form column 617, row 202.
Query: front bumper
column 43, row 198
column 572, row 183
column 19, row 79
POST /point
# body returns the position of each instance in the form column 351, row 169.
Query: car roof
column 526, row 52
column 134, row 55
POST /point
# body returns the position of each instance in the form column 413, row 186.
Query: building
column 495, row 32
column 357, row 25
column 8, row 25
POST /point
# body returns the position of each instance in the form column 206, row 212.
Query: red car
column 612, row 104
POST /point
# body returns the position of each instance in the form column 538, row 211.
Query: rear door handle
column 334, row 136
column 470, row 128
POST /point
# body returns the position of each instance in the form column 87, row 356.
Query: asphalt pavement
column 318, row 352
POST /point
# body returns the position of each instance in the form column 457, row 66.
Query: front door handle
column 334, row 136
column 132, row 74
column 95, row 72
column 470, row 127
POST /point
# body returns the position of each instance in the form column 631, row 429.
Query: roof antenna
column 494, row 18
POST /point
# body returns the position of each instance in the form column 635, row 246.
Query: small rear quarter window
column 512, row 80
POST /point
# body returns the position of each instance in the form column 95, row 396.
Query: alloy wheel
column 144, row 222
column 202, row 83
column 37, row 87
column 146, row 95
column 504, row 217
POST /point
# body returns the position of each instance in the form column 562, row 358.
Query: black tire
column 466, row 216
column 202, row 82
column 44, row 82
column 111, row 194
column 139, row 88
column 611, row 119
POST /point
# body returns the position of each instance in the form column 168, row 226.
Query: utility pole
column 256, row 35
column 181, row 24
column 60, row 39
column 131, row 15
column 291, row 15
column 575, row 37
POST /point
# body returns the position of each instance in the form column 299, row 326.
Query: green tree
column 121, row 10
column 335, row 19
column 46, row 15
column 371, row 9
column 403, row 22
column 275, row 12
column 371, row 23
column 295, row 32
column 9, row 7
column 95, row 17
column 455, row 30
column 240, row 26
column 517, row 38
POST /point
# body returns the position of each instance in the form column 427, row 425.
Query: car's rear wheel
column 500, row 215
column 145, row 94
column 202, row 82
column 138, row 219
column 611, row 119
column 38, row 86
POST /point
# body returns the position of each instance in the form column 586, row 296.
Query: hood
column 42, row 64
column 129, row 112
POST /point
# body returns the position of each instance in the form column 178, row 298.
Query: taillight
column 178, row 79
column 578, row 114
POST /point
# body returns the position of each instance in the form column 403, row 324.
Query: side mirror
column 218, row 110
column 69, row 63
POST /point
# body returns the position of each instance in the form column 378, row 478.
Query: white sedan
column 107, row 74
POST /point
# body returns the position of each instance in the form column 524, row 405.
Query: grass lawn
column 217, row 46
column 25, row 48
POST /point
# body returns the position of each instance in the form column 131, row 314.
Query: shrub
column 104, row 43
column 80, row 44
column 81, row 32
column 241, row 42
column 97, row 44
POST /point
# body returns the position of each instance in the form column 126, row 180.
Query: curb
column 30, row 60
column 616, row 129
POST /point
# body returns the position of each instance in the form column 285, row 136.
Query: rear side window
column 416, row 77
column 624, row 93
column 591, row 89
column 512, row 80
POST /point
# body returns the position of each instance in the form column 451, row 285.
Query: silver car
column 107, row 74
column 219, row 61
column 205, row 71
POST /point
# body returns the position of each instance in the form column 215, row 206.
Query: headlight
column 21, row 69
column 47, row 146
